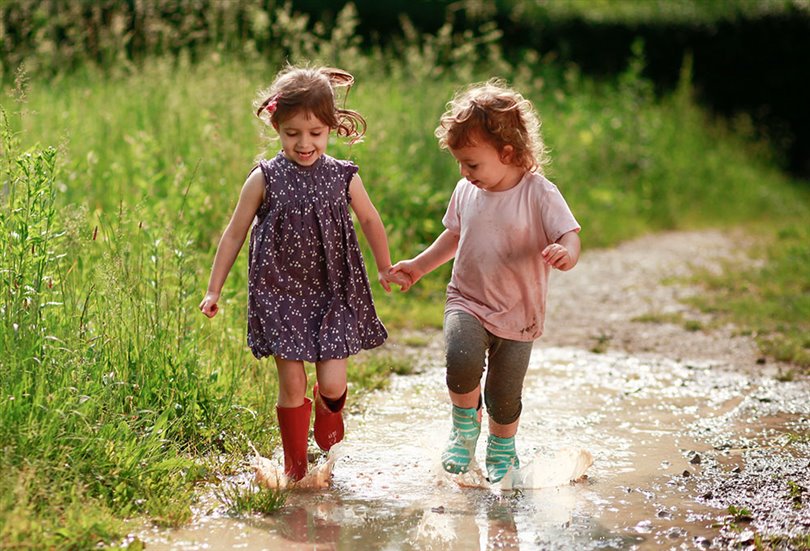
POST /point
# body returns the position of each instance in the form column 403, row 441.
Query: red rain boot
column 294, row 426
column 328, row 424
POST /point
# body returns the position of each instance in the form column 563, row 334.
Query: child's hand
column 387, row 277
column 558, row 257
column 399, row 278
column 208, row 306
column 406, row 270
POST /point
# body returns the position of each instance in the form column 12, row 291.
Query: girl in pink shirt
column 506, row 226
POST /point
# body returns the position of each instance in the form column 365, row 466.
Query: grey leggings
column 467, row 345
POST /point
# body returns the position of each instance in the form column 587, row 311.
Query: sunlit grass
column 668, row 11
column 769, row 299
column 676, row 318
column 246, row 499
column 371, row 371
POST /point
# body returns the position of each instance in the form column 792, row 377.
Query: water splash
column 270, row 474
column 566, row 466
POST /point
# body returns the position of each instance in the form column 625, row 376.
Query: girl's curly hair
column 311, row 89
column 499, row 115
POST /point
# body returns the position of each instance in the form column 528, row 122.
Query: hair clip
column 272, row 104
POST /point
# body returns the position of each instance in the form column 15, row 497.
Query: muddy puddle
column 673, row 446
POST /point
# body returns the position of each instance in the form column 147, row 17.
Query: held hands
column 407, row 270
column 558, row 257
column 389, row 276
column 209, row 306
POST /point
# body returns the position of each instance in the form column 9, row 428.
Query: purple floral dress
column 309, row 295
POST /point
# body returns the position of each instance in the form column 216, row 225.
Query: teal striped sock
column 460, row 448
column 501, row 455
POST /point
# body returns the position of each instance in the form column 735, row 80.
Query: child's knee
column 503, row 411
column 464, row 371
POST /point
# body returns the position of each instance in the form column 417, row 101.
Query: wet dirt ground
column 696, row 442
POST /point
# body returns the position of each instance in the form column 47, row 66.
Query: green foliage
column 103, row 391
column 27, row 227
column 657, row 11
column 50, row 37
column 372, row 371
column 671, row 317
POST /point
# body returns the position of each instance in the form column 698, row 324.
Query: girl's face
column 303, row 138
column 487, row 168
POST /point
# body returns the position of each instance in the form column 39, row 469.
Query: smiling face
column 487, row 168
column 303, row 138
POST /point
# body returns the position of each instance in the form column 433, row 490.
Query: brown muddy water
column 674, row 445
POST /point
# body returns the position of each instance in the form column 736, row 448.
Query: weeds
column 740, row 514
column 248, row 499
column 796, row 493
column 768, row 299
column 676, row 318
column 602, row 341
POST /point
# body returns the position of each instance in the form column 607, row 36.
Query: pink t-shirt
column 498, row 274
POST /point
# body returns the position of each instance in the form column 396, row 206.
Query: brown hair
column 311, row 89
column 499, row 115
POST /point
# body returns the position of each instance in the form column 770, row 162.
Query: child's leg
column 292, row 382
column 468, row 400
column 508, row 362
column 466, row 343
column 331, row 375
column 293, row 410
column 465, row 351
column 330, row 397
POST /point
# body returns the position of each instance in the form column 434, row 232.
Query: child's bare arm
column 232, row 240
column 374, row 230
column 439, row 252
column 564, row 254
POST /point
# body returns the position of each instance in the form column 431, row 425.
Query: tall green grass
column 104, row 403
column 117, row 397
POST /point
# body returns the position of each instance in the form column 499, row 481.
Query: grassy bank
column 119, row 398
column 769, row 298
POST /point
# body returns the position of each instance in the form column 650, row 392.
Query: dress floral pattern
column 309, row 294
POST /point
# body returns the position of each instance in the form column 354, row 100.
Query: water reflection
column 454, row 518
column 317, row 525
column 481, row 524
column 502, row 530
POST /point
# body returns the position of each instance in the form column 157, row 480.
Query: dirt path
column 594, row 305
column 757, row 440
column 755, row 469
column 759, row 460
column 696, row 443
